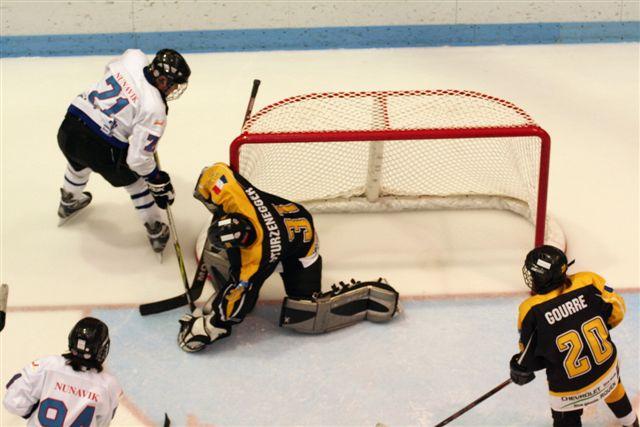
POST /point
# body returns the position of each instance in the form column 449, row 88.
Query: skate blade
column 159, row 256
column 399, row 309
column 62, row 221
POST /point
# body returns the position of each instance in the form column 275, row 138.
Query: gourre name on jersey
column 77, row 391
column 275, row 239
column 565, row 310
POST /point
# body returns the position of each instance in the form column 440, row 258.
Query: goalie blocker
column 342, row 306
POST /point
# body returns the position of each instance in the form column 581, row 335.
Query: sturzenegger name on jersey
column 283, row 229
column 275, row 242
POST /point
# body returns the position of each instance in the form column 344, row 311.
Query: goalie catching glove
column 196, row 332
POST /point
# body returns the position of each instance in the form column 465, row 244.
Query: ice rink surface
column 458, row 272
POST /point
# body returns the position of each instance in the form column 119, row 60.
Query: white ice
column 464, row 266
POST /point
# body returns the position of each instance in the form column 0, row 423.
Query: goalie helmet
column 89, row 340
column 202, row 192
column 172, row 65
column 231, row 231
column 545, row 269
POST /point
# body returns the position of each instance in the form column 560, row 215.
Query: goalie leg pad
column 218, row 266
column 342, row 306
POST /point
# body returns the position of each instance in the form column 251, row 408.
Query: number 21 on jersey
column 114, row 91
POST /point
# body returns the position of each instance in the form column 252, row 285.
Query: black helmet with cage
column 88, row 344
column 170, row 64
column 231, row 231
column 545, row 269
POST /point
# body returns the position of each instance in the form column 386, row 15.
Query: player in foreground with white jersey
column 564, row 329
column 254, row 234
column 113, row 129
column 71, row 389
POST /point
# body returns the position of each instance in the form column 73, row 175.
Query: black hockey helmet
column 172, row 65
column 231, row 231
column 89, row 340
column 545, row 269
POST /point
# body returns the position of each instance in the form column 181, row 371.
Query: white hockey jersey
column 126, row 109
column 56, row 395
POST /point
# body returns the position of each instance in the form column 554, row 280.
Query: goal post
column 398, row 150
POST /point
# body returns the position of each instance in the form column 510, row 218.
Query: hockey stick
column 252, row 99
column 475, row 403
column 193, row 293
column 180, row 300
column 178, row 249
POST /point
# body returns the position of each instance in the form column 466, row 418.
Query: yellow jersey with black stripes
column 284, row 229
column 566, row 332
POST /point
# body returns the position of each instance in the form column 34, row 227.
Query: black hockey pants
column 567, row 419
column 84, row 149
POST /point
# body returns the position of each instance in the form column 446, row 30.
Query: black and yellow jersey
column 284, row 229
column 566, row 332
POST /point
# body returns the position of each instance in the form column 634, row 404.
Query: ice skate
column 70, row 206
column 158, row 234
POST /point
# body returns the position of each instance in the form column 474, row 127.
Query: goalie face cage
column 395, row 150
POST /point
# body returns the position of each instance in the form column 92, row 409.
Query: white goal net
column 376, row 151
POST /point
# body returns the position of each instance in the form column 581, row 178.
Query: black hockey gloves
column 161, row 189
column 519, row 374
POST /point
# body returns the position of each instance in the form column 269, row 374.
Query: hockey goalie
column 254, row 234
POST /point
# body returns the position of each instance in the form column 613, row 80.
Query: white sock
column 142, row 200
column 75, row 181
column 628, row 419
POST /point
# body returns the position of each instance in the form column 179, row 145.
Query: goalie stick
column 193, row 293
column 183, row 299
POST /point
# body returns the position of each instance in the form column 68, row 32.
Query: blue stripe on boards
column 137, row 196
column 148, row 205
column 323, row 38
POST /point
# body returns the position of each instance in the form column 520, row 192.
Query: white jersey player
column 71, row 389
column 113, row 129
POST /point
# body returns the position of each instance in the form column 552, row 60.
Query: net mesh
column 339, row 169
column 363, row 111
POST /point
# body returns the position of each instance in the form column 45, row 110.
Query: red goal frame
column 529, row 130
